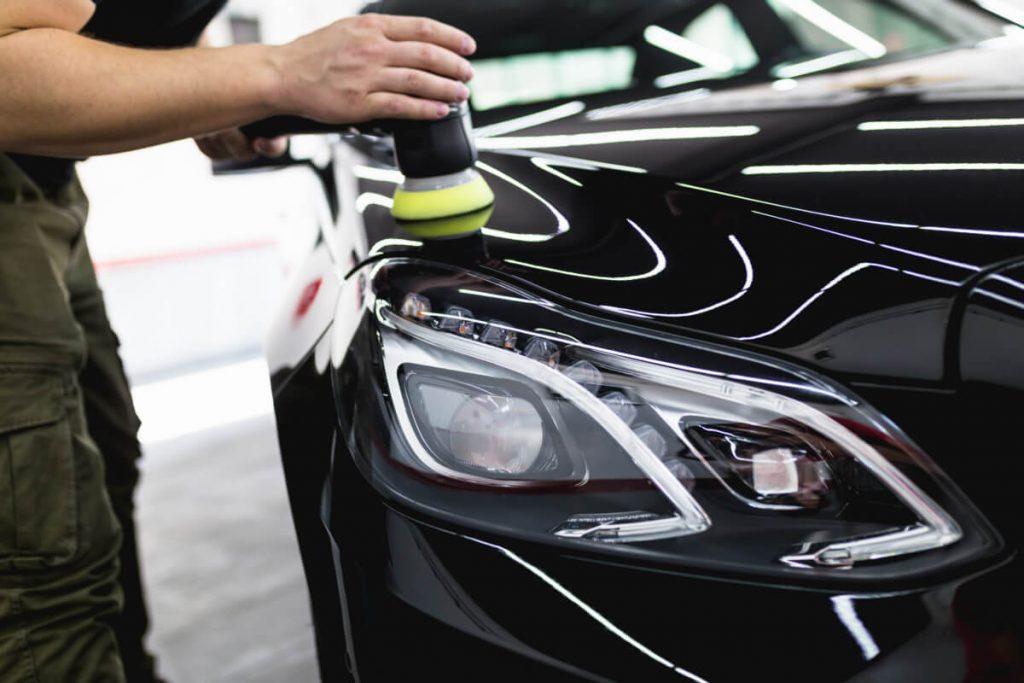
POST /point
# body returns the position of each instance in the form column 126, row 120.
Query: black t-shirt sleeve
column 152, row 23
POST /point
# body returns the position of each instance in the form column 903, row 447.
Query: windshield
column 534, row 51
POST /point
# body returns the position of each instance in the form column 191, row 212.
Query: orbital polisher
column 442, row 194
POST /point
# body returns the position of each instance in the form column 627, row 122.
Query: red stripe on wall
column 184, row 254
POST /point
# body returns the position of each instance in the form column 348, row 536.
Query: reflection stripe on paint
column 939, row 124
column 794, row 169
column 612, row 137
column 659, row 266
column 590, row 611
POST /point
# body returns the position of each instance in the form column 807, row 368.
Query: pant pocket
column 38, row 499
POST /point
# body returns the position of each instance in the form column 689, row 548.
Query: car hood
column 836, row 220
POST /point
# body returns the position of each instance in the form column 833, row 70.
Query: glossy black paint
column 903, row 285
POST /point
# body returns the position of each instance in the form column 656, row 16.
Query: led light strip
column 691, row 513
column 937, row 529
column 647, row 530
column 557, row 337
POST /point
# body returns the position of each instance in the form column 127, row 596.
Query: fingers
column 422, row 84
column 214, row 147
column 375, row 66
column 270, row 147
column 237, row 144
column 227, row 145
column 420, row 29
column 394, row 106
column 428, row 57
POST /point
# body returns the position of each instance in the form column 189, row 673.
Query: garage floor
column 226, row 592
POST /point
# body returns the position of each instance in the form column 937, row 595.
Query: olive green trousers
column 71, row 602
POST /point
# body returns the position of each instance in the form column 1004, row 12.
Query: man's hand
column 233, row 145
column 357, row 69
column 375, row 66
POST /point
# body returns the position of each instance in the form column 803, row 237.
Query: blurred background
column 192, row 267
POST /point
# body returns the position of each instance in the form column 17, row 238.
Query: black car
column 730, row 386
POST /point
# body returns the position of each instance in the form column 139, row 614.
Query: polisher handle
column 423, row 148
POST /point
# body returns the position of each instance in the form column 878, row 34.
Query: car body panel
column 902, row 283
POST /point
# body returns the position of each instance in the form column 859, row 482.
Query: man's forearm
column 65, row 95
column 62, row 94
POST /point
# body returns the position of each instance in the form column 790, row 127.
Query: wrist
column 264, row 66
column 279, row 93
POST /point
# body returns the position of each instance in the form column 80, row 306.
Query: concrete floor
column 226, row 592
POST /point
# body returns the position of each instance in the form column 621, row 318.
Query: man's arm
column 63, row 94
column 234, row 145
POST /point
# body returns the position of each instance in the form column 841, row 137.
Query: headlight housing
column 496, row 409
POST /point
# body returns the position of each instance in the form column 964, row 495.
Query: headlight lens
column 476, row 428
column 513, row 414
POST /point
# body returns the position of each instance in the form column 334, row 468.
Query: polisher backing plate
column 445, row 202
column 448, row 228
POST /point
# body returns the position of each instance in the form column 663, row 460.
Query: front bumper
column 428, row 600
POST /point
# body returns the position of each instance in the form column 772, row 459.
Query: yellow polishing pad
column 425, row 205
column 448, row 228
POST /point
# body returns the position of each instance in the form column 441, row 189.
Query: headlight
column 499, row 410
